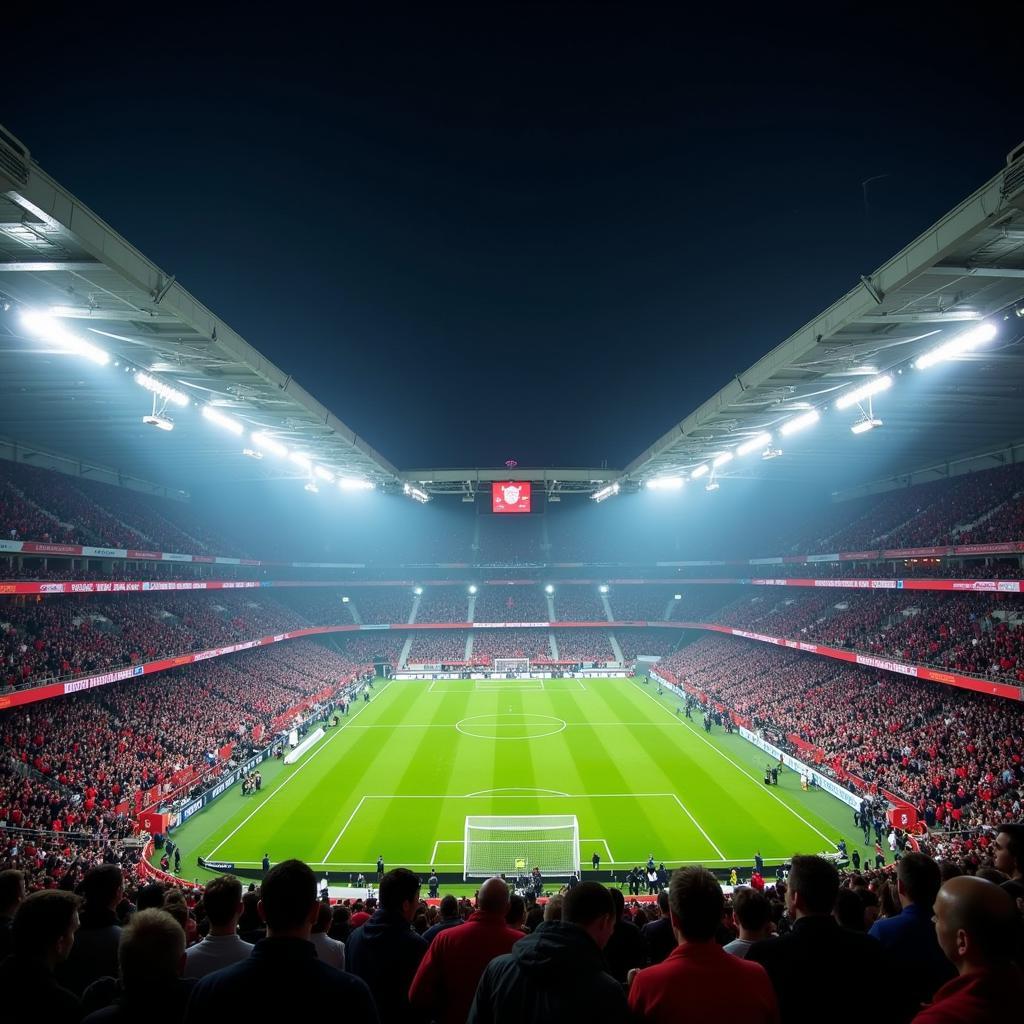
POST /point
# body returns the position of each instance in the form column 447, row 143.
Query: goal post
column 521, row 666
column 516, row 844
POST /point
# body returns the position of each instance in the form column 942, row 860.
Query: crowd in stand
column 657, row 642
column 579, row 604
column 641, row 604
column 443, row 604
column 489, row 644
column 511, row 604
column 383, row 604
column 936, row 941
column 437, row 646
column 957, row 756
column 583, row 645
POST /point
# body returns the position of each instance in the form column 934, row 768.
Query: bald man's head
column 975, row 922
column 493, row 897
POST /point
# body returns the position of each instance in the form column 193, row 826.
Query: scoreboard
column 510, row 496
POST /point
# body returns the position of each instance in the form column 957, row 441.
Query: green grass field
column 403, row 771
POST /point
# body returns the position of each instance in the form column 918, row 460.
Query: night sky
column 543, row 232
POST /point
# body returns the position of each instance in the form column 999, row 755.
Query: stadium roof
column 59, row 257
column 966, row 269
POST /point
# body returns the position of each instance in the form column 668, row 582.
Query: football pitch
column 401, row 773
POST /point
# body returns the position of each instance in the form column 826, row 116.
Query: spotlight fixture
column 472, row 588
column 311, row 487
column 252, row 453
column 700, row 471
column 866, row 424
column 712, row 485
column 771, row 453
column 605, row 492
column 418, row 591
column 665, row 483
column 963, row 343
column 873, row 387
column 754, row 443
column 352, row 483
column 49, row 330
column 603, row 589
column 549, row 589
column 722, row 459
column 324, row 474
column 215, row 416
column 301, row 460
column 158, row 421
column 266, row 443
column 416, row 494
column 158, row 387
column 804, row 420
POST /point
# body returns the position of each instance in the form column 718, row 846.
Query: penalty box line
column 294, row 775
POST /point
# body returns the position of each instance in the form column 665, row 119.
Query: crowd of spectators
column 580, row 645
column 657, row 642
column 444, row 604
column 489, row 644
column 511, row 604
column 630, row 603
column 579, row 604
column 383, row 604
column 957, row 756
column 938, row 941
column 438, row 646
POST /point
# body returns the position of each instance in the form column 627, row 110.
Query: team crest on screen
column 510, row 492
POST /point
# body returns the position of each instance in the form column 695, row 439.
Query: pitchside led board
column 510, row 496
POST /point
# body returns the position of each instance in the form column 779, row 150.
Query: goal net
column 512, row 665
column 513, row 845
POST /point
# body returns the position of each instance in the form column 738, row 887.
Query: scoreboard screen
column 510, row 496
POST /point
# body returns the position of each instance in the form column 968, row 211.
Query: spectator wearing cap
column 817, row 958
column 556, row 975
column 699, row 980
column 94, row 954
column 151, row 957
column 976, row 923
column 282, row 977
column 446, row 980
column 385, row 951
column 44, row 934
column 909, row 938
column 222, row 903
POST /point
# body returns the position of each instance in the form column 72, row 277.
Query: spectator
column 283, row 975
column 449, row 918
column 12, row 894
column 151, row 957
column 1008, row 857
column 44, row 934
column 515, row 916
column 556, row 975
column 446, row 980
column 385, row 952
column 658, row 935
column 699, row 981
column 817, row 959
column 976, row 924
column 94, row 954
column 626, row 948
column 222, row 904
column 752, row 914
column 909, row 938
column 329, row 950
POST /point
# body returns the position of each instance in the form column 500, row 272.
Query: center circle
column 511, row 726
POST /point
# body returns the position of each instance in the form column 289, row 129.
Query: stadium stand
column 511, row 604
column 578, row 604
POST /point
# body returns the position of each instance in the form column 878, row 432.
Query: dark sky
column 535, row 231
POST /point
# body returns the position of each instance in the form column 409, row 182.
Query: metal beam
column 1004, row 272
column 47, row 266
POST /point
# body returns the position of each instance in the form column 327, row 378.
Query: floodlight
column 805, row 419
column 712, row 485
column 158, row 421
column 603, row 589
column 53, row 333
column 418, row 591
column 158, row 387
column 351, row 483
column 699, row 472
column 221, row 420
column 301, row 460
column 958, row 346
column 253, row 453
column 266, row 443
column 344, row 599
column 722, row 459
column 866, row 424
column 677, row 597
column 605, row 492
column 416, row 494
column 873, row 387
column 665, row 483
column 771, row 453
column 311, row 487
column 472, row 588
column 549, row 589
column 754, row 443
column 325, row 474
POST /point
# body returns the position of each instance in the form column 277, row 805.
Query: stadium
column 234, row 634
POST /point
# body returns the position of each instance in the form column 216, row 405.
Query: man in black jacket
column 626, row 948
column 282, row 977
column 385, row 952
column 812, row 966
column 658, row 935
column 557, row 974
column 94, row 954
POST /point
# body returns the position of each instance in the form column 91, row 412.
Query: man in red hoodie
column 448, row 975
